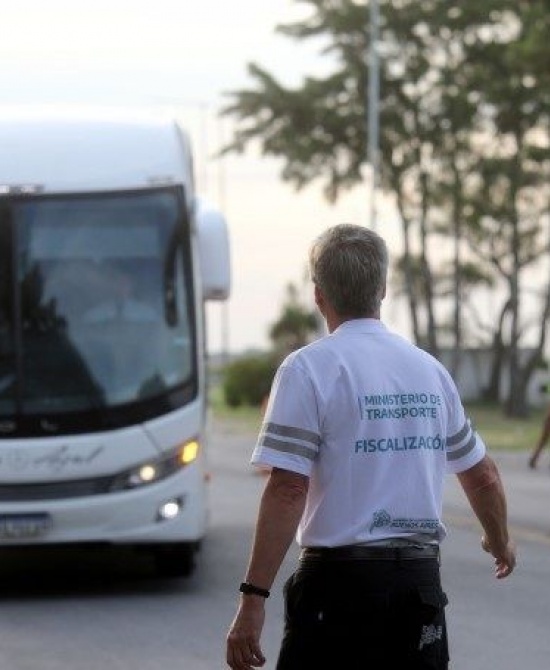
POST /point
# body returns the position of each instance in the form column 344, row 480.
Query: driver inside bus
column 120, row 303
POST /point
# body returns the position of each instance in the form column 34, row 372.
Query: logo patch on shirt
column 382, row 519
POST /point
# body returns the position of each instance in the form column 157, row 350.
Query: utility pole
column 373, row 105
column 222, row 192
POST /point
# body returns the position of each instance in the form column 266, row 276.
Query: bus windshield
column 96, row 308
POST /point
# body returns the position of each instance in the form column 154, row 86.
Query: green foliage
column 464, row 114
column 294, row 326
column 504, row 433
column 247, row 380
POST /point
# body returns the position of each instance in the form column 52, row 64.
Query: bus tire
column 175, row 560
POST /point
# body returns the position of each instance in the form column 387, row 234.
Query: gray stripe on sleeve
column 463, row 451
column 288, row 447
column 458, row 437
column 293, row 433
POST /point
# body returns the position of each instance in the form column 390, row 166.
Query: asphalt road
column 83, row 610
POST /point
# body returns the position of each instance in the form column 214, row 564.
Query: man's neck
column 334, row 320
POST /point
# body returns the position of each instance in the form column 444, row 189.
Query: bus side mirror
column 214, row 256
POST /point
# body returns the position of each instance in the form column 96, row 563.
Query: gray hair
column 349, row 264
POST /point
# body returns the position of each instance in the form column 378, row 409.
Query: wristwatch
column 249, row 589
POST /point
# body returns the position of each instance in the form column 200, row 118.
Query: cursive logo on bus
column 62, row 458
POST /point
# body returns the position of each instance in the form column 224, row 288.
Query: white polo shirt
column 375, row 423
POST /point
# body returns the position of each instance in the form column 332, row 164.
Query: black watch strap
column 249, row 589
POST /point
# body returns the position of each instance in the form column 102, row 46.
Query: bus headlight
column 170, row 509
column 155, row 470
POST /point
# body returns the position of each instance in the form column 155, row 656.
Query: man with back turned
column 360, row 430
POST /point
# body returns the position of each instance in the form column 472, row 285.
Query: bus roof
column 53, row 150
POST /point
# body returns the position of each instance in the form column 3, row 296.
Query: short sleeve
column 290, row 435
column 464, row 446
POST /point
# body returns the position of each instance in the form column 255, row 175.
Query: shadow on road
column 100, row 571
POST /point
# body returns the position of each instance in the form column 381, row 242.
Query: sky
column 186, row 57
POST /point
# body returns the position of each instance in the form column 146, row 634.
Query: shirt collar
column 369, row 326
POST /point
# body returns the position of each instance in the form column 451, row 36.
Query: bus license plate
column 23, row 526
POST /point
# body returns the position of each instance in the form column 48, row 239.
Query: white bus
column 106, row 259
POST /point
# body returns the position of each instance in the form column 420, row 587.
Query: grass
column 498, row 432
column 501, row 433
column 244, row 418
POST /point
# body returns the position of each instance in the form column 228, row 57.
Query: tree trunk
column 431, row 334
column 515, row 404
column 457, row 311
column 407, row 267
column 492, row 391
column 519, row 401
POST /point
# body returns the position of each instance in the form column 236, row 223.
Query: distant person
column 121, row 303
column 360, row 429
column 543, row 440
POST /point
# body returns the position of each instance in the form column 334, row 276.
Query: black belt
column 365, row 553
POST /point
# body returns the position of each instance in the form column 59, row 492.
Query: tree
column 462, row 117
column 507, row 215
column 247, row 380
column 294, row 326
column 319, row 129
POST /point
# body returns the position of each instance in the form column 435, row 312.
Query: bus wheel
column 175, row 560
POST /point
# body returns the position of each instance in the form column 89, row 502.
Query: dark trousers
column 365, row 615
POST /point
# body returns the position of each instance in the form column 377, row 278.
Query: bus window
column 93, row 277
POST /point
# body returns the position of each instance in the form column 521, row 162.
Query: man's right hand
column 243, row 640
